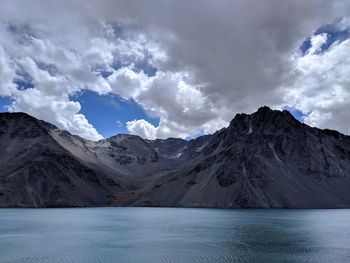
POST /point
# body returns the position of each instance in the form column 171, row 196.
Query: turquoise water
column 173, row 235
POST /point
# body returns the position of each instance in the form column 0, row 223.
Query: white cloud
column 127, row 83
column 58, row 72
column 214, row 125
column 75, row 66
column 165, row 129
column 322, row 87
column 60, row 68
column 99, row 53
column 142, row 128
column 49, row 100
column 58, row 109
column 175, row 99
column 7, row 75
column 316, row 43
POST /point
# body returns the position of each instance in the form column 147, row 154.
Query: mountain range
column 267, row 159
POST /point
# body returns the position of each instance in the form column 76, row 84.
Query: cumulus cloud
column 172, row 97
column 321, row 87
column 59, row 110
column 165, row 129
column 192, row 64
column 49, row 100
column 127, row 83
column 142, row 128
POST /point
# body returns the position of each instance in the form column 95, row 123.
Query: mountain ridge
column 261, row 109
column 263, row 159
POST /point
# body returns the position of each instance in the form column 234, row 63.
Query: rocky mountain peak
column 263, row 159
column 22, row 125
column 264, row 120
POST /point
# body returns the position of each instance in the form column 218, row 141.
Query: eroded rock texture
column 266, row 159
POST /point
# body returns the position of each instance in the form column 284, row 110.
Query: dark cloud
column 229, row 56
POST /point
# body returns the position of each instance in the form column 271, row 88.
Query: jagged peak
column 263, row 118
column 264, row 109
column 16, row 116
column 125, row 137
column 170, row 139
column 266, row 113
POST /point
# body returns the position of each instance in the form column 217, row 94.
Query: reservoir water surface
column 173, row 235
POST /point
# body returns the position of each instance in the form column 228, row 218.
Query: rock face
column 266, row 159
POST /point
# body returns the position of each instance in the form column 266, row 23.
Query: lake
column 173, row 235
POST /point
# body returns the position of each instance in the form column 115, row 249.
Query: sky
column 174, row 68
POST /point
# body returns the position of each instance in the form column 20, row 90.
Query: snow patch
column 274, row 152
column 250, row 129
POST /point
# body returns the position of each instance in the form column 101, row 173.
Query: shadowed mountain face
column 266, row 159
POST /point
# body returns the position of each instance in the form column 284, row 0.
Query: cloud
column 126, row 82
column 59, row 110
column 192, row 64
column 321, row 84
column 316, row 43
column 7, row 75
column 142, row 128
column 165, row 129
column 49, row 100
column 59, row 67
column 172, row 97
column 240, row 49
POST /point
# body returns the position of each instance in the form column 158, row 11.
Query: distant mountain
column 266, row 159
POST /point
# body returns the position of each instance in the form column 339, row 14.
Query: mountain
column 265, row 159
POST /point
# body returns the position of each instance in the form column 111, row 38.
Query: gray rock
column 266, row 159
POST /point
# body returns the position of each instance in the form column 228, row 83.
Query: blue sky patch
column 109, row 113
column 23, row 85
column 4, row 101
column 305, row 46
column 105, row 74
column 334, row 32
column 23, row 80
column 299, row 115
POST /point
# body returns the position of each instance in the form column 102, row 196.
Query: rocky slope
column 266, row 159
